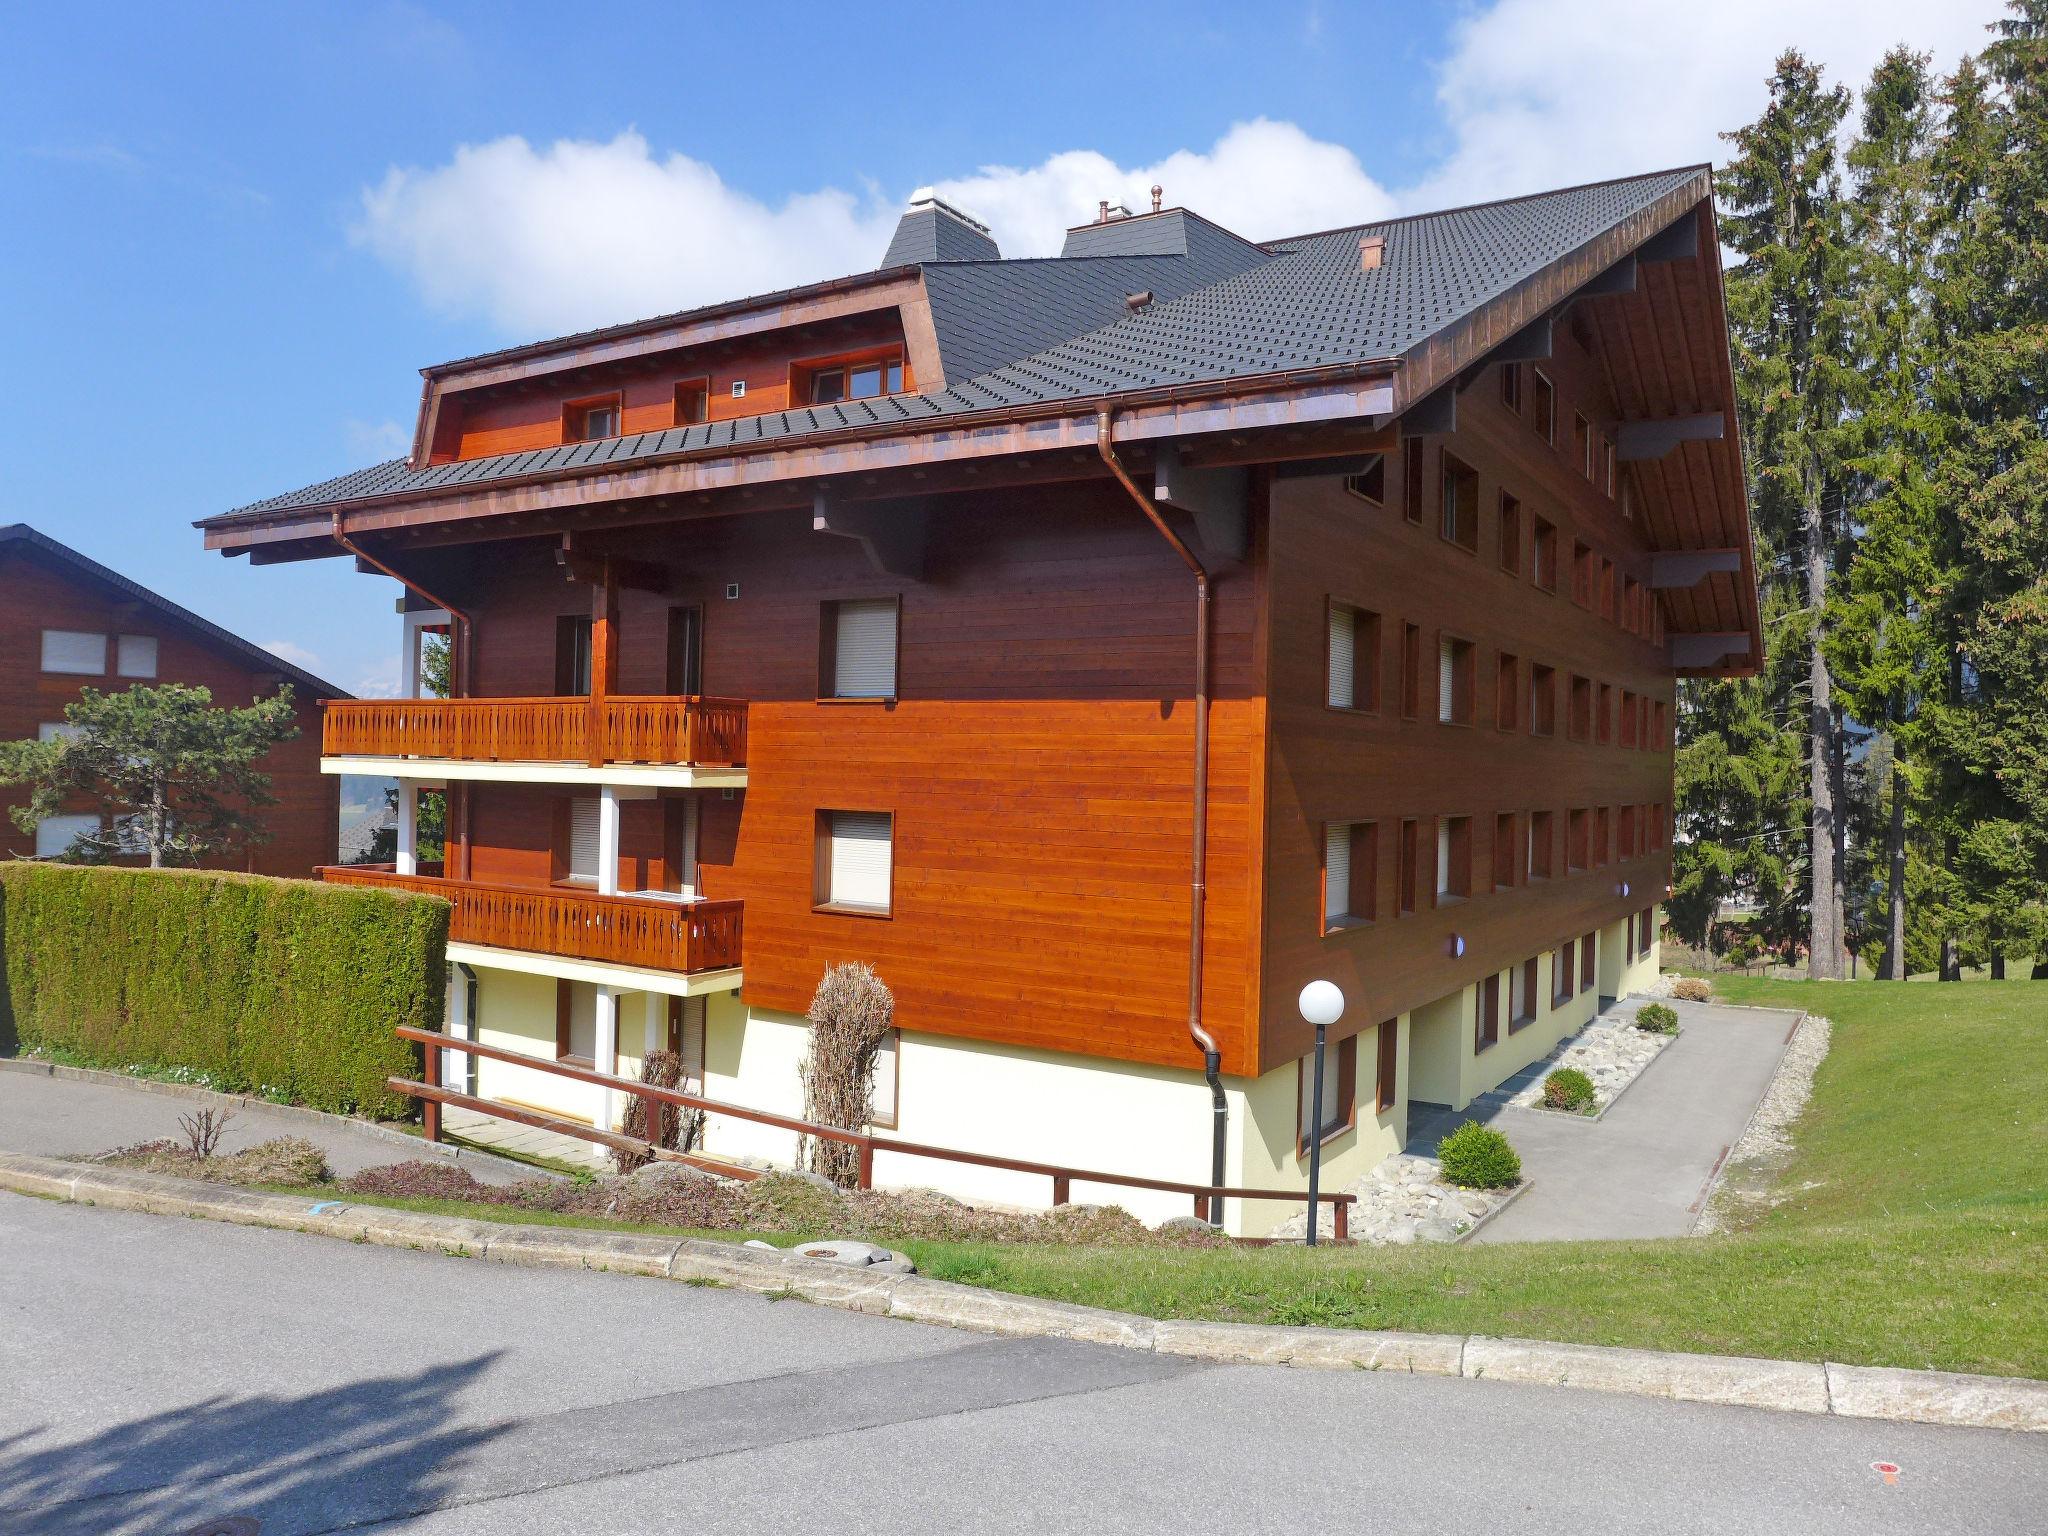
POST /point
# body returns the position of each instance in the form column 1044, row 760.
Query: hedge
column 288, row 988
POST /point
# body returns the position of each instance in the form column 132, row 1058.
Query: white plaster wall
column 516, row 1012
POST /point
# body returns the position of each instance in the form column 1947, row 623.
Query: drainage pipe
column 458, row 663
column 1212, row 1058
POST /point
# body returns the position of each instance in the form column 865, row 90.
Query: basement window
column 1486, row 1026
column 1333, row 1116
column 1522, row 1002
column 1561, row 975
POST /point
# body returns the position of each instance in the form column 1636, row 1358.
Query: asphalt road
column 157, row 1374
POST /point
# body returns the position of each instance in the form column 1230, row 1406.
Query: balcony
column 651, row 932
column 660, row 741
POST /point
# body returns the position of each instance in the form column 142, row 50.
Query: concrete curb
column 30, row 1066
column 1921, row 1397
column 1514, row 1194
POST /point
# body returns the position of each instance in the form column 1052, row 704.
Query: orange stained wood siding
column 527, row 416
column 1037, row 762
column 1328, row 765
column 37, row 593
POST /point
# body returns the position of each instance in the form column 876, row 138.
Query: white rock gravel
column 1767, row 1141
column 1610, row 1050
column 1404, row 1200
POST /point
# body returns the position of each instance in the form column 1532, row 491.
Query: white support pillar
column 606, row 1051
column 657, row 1023
column 608, row 841
column 455, row 1065
column 408, row 856
column 416, row 624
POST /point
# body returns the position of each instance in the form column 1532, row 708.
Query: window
column 1370, row 483
column 1388, row 1064
column 693, row 402
column 1406, row 872
column 883, row 1096
column 686, row 1040
column 56, row 834
column 1607, row 465
column 74, row 652
column 1606, row 588
column 1585, row 569
column 1658, row 738
column 1625, row 832
column 1579, row 722
column 1582, row 444
column 1542, row 700
column 579, row 861
column 1628, row 718
column 1577, row 840
column 1333, row 1116
column 1510, row 534
column 1504, row 850
column 1543, row 564
column 1543, row 403
column 1486, row 1026
column 858, row 658
column 1459, row 520
column 1603, row 716
column 1632, row 606
column 860, row 379
column 1454, row 666
column 1561, row 975
column 1511, row 386
column 853, row 862
column 1522, row 1003
column 50, row 730
column 586, row 421
column 135, row 656
column 1453, row 858
column 1588, row 961
column 1351, row 862
column 1411, row 671
column 572, row 656
column 1646, row 931
column 1507, row 692
column 684, row 673
column 1542, row 845
column 1354, row 665
column 1411, row 479
column 1602, row 851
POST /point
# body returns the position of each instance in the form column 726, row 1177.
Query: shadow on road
column 378, row 1446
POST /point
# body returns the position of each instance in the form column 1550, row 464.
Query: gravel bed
column 1610, row 1050
column 1747, row 1187
column 1404, row 1200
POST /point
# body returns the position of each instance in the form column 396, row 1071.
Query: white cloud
column 297, row 655
column 578, row 234
column 1540, row 95
column 376, row 439
column 377, row 682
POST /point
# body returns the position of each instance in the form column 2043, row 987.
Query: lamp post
column 1321, row 1005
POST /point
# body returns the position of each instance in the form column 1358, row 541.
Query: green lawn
column 1915, row 1233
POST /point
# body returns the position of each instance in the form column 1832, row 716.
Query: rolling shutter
column 55, row 834
column 1443, row 855
column 69, row 650
column 864, row 649
column 883, row 1099
column 1518, row 993
column 692, row 1044
column 860, row 859
column 1343, row 658
column 135, row 656
column 1336, row 870
column 583, row 839
column 1446, row 677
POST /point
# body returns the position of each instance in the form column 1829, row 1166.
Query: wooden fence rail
column 432, row 1095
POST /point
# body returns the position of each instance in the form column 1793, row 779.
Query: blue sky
column 230, row 235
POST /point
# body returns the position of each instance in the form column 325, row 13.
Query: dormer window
column 588, row 421
column 862, row 378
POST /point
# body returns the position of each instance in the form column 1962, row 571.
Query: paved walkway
column 160, row 1374
column 1639, row 1170
column 59, row 1117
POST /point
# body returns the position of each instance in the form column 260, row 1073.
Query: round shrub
column 1476, row 1156
column 1568, row 1088
column 1657, row 1019
column 1692, row 989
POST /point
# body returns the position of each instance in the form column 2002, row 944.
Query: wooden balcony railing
column 627, row 729
column 578, row 925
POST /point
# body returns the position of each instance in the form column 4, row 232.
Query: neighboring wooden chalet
column 68, row 623
column 890, row 618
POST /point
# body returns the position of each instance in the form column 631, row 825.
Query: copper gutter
column 1212, row 1058
column 458, row 664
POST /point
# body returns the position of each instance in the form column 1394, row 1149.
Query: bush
column 1568, row 1088
column 285, row 988
column 1476, row 1156
column 1657, row 1019
column 1692, row 989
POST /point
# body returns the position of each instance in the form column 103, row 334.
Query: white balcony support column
column 657, row 1022
column 608, row 841
column 455, row 1064
column 408, row 856
column 606, row 1050
column 417, row 624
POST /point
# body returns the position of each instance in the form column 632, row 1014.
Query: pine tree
column 1790, row 306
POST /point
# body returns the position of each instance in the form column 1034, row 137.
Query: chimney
column 1372, row 250
column 933, row 230
column 1158, row 192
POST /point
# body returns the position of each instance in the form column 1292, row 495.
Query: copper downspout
column 458, row 663
column 1212, row 1058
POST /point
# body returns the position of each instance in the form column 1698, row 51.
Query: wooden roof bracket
column 1707, row 650
column 1677, row 241
column 1636, row 441
column 1435, row 412
column 1217, row 498
column 893, row 535
column 589, row 567
column 1676, row 569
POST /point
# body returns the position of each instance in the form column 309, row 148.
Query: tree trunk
column 156, row 826
column 1895, row 863
column 1824, row 948
column 1950, row 969
column 2040, row 970
column 1997, row 961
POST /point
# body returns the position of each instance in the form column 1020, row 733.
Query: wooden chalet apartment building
column 68, row 623
column 1101, row 647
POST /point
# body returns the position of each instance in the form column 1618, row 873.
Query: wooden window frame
column 1365, row 878
column 1543, row 406
column 1603, row 834
column 1578, row 834
column 1370, row 484
column 1365, row 657
column 1414, row 479
column 1507, row 691
column 1562, row 964
column 700, row 383
column 1578, row 719
column 1582, row 443
column 1411, row 671
column 1464, row 679
column 1454, row 883
column 1510, row 533
column 567, row 626
column 1532, row 979
column 1343, row 1056
column 1589, row 962
column 1459, row 531
column 1511, row 387
column 1386, row 1065
column 821, row 863
column 1585, row 572
column 885, row 1120
column 828, row 646
column 804, row 371
column 1543, row 543
column 1507, row 849
column 1542, row 700
column 578, row 411
column 1407, row 866
column 1486, row 1014
column 1603, row 717
column 1543, row 837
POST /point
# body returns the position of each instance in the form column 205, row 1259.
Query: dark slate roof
column 22, row 535
column 933, row 231
column 1015, row 333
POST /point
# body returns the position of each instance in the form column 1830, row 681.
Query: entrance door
column 686, row 650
